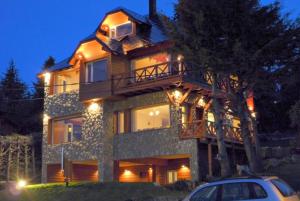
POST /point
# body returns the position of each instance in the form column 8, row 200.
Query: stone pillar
column 107, row 163
column 194, row 166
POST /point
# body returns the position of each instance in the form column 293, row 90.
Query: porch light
column 93, row 107
column 157, row 112
column 127, row 172
column 177, row 94
column 151, row 114
column 46, row 119
column 253, row 114
column 183, row 166
column 179, row 57
column 201, row 102
column 47, row 77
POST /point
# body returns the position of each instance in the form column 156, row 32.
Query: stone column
column 194, row 164
column 106, row 166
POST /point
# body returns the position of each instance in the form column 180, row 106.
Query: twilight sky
column 32, row 30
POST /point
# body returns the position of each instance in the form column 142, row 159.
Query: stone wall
column 99, row 142
column 157, row 142
column 90, row 147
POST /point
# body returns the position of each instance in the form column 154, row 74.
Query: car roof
column 251, row 178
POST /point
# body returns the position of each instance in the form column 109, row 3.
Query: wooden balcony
column 206, row 129
column 160, row 76
column 148, row 78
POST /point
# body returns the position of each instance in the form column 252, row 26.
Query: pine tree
column 13, row 90
column 237, row 38
column 38, row 96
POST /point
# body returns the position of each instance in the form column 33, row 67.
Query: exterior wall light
column 177, row 94
column 201, row 102
column 93, row 107
column 46, row 119
column 47, row 77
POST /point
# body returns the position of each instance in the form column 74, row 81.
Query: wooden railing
column 207, row 129
column 231, row 133
column 163, row 71
column 193, row 129
column 149, row 73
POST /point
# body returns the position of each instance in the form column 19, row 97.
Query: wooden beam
column 209, row 152
column 185, row 95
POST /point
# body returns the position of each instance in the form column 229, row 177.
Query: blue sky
column 32, row 30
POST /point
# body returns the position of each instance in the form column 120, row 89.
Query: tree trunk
column 256, row 143
column 222, row 152
column 241, row 106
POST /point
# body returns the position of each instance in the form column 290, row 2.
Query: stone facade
column 98, row 139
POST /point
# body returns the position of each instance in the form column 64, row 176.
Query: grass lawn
column 90, row 192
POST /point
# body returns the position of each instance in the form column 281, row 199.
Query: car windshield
column 283, row 187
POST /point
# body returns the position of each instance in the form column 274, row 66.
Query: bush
column 181, row 186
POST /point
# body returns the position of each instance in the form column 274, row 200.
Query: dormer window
column 121, row 30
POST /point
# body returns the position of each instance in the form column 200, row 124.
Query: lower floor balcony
column 204, row 129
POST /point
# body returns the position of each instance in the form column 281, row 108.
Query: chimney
column 152, row 9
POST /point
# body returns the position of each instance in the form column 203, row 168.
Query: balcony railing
column 149, row 73
column 194, row 129
column 207, row 129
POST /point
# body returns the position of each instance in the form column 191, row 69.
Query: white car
column 244, row 188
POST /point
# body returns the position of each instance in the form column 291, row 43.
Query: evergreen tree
column 38, row 95
column 13, row 89
column 237, row 38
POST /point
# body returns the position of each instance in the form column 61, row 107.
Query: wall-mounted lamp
column 94, row 107
column 47, row 77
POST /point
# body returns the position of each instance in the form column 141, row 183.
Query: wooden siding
column 182, row 168
column 139, row 173
column 80, row 172
column 84, row 172
column 144, row 173
column 95, row 90
column 54, row 173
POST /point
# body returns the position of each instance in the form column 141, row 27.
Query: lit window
column 210, row 117
column 66, row 81
column 96, row 71
column 66, row 130
column 172, row 176
column 151, row 118
column 120, row 122
column 121, row 30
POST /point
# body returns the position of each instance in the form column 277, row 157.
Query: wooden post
column 209, row 150
column 26, row 160
column 153, row 173
column 18, row 158
column 33, row 161
column 116, row 170
column 8, row 163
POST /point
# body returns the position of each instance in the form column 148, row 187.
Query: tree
column 238, row 38
column 38, row 96
column 12, row 90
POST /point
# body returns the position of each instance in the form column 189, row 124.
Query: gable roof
column 64, row 64
column 154, row 35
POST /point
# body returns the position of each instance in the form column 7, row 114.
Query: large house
column 124, row 108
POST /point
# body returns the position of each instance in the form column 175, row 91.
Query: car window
column 258, row 191
column 235, row 191
column 283, row 187
column 206, row 194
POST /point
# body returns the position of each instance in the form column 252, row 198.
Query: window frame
column 92, row 70
column 146, row 107
column 51, row 129
column 114, row 29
